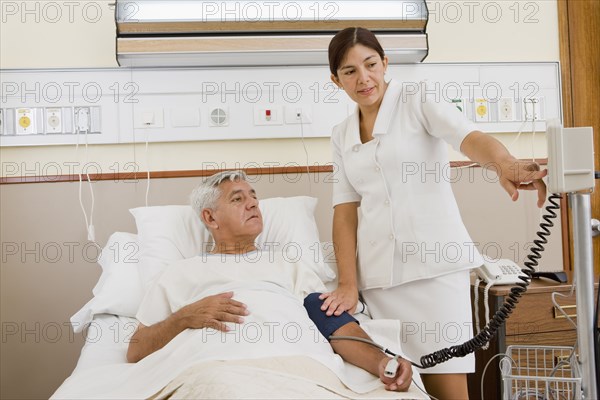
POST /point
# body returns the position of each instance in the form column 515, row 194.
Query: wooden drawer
column 533, row 322
column 563, row 338
column 535, row 313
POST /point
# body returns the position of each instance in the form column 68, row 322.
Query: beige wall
column 459, row 31
column 48, row 267
column 49, row 293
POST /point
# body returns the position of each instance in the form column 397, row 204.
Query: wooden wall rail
column 124, row 176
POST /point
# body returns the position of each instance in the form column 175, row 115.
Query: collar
column 384, row 116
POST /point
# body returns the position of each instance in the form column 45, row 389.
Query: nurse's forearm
column 486, row 150
column 345, row 224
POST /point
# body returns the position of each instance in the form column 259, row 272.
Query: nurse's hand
column 344, row 298
column 518, row 175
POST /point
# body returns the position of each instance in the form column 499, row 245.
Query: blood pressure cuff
column 326, row 324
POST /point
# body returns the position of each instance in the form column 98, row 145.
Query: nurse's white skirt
column 434, row 313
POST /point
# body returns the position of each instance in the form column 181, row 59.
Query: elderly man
column 228, row 206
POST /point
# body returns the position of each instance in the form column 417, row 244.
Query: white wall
column 45, row 34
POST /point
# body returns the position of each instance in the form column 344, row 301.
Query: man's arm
column 363, row 355
column 370, row 358
column 209, row 312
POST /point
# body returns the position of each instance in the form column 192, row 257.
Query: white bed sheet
column 108, row 338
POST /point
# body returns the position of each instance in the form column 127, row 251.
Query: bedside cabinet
column 534, row 321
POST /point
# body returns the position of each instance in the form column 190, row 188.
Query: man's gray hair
column 207, row 194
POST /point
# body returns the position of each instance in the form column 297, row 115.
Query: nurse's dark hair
column 347, row 38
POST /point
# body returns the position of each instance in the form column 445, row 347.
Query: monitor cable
column 501, row 315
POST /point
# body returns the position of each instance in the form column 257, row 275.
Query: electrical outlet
column 54, row 120
column 533, row 108
column 298, row 114
column 81, row 119
column 148, row 118
column 506, row 110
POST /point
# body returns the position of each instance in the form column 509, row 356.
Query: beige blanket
column 295, row 377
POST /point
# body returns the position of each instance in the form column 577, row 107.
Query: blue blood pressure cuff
column 326, row 324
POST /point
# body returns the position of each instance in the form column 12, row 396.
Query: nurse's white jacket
column 409, row 224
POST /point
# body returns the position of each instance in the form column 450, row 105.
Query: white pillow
column 170, row 233
column 119, row 289
column 167, row 234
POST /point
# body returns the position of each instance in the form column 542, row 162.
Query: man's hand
column 401, row 381
column 213, row 312
column 210, row 312
column 344, row 298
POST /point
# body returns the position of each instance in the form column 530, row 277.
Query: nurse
column 408, row 250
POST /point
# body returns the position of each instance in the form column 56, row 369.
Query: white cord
column 486, row 291
column 533, row 133
column 148, row 171
column 299, row 115
column 485, row 369
column 518, row 135
column 562, row 311
column 476, row 303
column 423, row 390
column 89, row 225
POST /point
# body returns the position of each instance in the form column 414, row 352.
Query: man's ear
column 335, row 80
column 206, row 215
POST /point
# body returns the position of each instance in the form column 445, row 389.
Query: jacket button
column 377, row 169
column 355, row 148
column 387, row 202
column 391, row 237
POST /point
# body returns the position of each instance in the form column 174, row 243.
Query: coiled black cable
column 489, row 331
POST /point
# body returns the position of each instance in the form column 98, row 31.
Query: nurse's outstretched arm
column 345, row 297
column 514, row 174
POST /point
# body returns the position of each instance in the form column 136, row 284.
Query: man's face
column 237, row 216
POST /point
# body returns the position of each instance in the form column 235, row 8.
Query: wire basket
column 540, row 373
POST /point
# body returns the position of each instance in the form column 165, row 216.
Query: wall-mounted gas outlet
column 53, row 120
column 506, row 110
column 482, row 110
column 26, row 121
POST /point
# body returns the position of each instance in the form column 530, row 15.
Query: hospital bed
column 166, row 234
